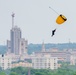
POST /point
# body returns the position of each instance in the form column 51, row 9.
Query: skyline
column 37, row 21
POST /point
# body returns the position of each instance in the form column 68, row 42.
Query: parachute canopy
column 61, row 19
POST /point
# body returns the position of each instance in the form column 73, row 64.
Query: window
column 8, row 64
column 2, row 64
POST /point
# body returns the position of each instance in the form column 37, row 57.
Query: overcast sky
column 37, row 20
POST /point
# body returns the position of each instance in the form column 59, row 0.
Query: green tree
column 38, row 73
column 2, row 73
column 13, row 73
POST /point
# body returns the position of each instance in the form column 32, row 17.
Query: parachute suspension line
column 54, row 10
column 57, row 27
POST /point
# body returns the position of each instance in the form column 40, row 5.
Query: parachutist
column 53, row 32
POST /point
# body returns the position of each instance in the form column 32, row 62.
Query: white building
column 44, row 62
column 5, row 62
column 73, row 57
column 73, row 60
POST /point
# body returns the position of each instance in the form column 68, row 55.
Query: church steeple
column 43, row 47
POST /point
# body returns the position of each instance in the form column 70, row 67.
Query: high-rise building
column 15, row 39
column 16, row 44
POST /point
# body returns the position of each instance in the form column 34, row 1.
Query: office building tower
column 16, row 44
column 15, row 39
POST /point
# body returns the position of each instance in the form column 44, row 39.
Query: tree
column 38, row 73
column 2, row 73
column 13, row 73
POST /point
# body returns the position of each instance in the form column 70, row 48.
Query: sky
column 36, row 20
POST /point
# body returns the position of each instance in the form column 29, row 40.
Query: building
column 23, row 46
column 8, row 46
column 15, row 39
column 54, row 52
column 16, row 44
column 44, row 62
column 5, row 62
column 21, row 64
column 73, row 57
column 61, row 55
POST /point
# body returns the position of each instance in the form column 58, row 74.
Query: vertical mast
column 13, row 19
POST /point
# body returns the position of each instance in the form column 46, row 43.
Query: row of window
column 43, row 64
column 5, row 63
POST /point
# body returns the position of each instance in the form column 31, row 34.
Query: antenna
column 54, row 10
column 13, row 15
column 69, row 41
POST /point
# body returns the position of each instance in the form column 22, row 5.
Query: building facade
column 44, row 62
column 73, row 57
column 16, row 44
column 5, row 62
column 22, row 64
column 61, row 55
column 23, row 46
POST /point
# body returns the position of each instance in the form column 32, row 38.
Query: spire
column 69, row 44
column 13, row 15
column 43, row 47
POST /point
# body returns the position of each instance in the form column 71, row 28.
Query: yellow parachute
column 61, row 19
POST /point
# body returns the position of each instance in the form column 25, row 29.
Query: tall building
column 15, row 39
column 16, row 44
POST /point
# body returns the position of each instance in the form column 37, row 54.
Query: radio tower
column 13, row 19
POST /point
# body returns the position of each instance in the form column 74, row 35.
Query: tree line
column 65, row 69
